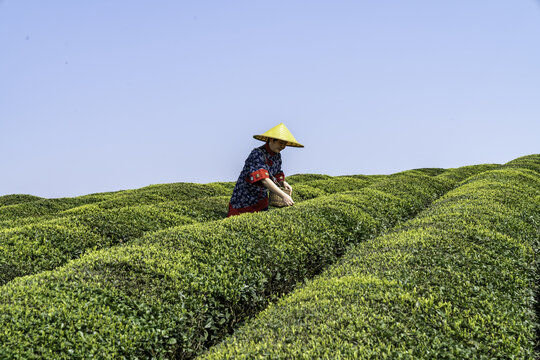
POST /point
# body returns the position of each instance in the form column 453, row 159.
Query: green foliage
column 447, row 284
column 464, row 172
column 165, row 192
column 17, row 199
column 310, row 189
column 428, row 171
column 301, row 178
column 40, row 208
column 47, row 244
column 106, row 220
column 337, row 184
column 367, row 177
column 126, row 223
column 34, row 234
column 175, row 292
column 201, row 209
column 302, row 192
column 47, row 209
column 531, row 162
column 229, row 185
column 33, row 248
column 456, row 282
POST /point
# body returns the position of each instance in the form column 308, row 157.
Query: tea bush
column 457, row 282
column 175, row 292
column 46, row 209
column 201, row 209
column 428, row 171
column 302, row 192
column 45, row 245
column 465, row 171
column 300, row 178
column 126, row 223
column 17, row 199
column 30, row 212
column 528, row 162
column 310, row 189
column 337, row 184
column 40, row 208
column 165, row 192
column 33, row 248
column 32, row 244
column 372, row 177
column 229, row 185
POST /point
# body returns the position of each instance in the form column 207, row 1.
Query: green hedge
column 17, row 199
column 34, row 244
column 46, row 209
column 429, row 171
column 310, row 189
column 154, row 194
column 419, row 171
column 229, row 185
column 528, row 162
column 175, row 292
column 337, row 184
column 34, row 248
column 300, row 178
column 40, row 208
column 303, row 192
column 20, row 210
column 31, row 212
column 48, row 244
column 457, row 282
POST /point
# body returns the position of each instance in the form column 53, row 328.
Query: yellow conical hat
column 279, row 132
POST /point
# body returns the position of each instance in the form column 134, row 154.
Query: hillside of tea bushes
column 41, row 234
column 426, row 263
column 456, row 282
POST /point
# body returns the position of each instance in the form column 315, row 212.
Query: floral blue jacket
column 249, row 195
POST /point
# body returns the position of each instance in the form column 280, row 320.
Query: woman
column 262, row 172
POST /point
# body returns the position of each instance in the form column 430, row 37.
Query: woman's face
column 277, row 145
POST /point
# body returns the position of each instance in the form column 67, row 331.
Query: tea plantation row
column 176, row 292
column 43, row 209
column 54, row 237
column 32, row 243
column 17, row 210
column 457, row 282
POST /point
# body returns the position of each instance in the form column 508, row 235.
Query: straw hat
column 279, row 132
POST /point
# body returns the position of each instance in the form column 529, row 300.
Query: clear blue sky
column 108, row 95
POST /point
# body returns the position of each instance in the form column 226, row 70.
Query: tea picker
column 262, row 173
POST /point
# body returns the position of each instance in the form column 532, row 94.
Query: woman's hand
column 287, row 200
column 271, row 186
column 287, row 186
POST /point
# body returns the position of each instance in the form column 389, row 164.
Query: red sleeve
column 280, row 176
column 258, row 175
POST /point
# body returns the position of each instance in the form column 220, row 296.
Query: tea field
column 422, row 264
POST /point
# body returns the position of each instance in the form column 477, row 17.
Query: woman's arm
column 271, row 186
column 286, row 185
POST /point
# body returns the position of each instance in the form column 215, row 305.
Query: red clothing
column 262, row 205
